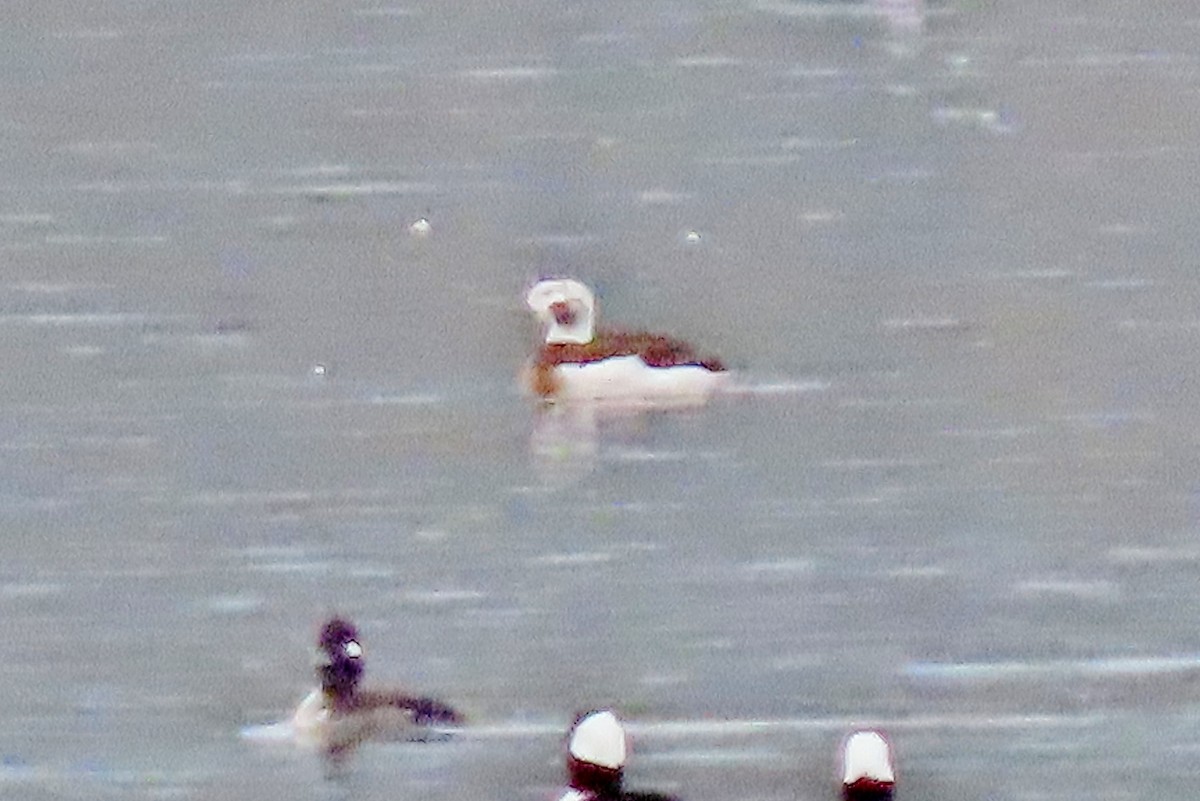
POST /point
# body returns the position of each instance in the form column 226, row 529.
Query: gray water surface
column 949, row 246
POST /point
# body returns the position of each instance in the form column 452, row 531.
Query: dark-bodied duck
column 341, row 714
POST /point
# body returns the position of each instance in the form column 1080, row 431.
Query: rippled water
column 949, row 247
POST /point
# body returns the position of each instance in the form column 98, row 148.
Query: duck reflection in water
column 597, row 746
column 339, row 715
column 568, row 440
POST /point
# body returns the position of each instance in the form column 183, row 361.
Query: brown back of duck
column 656, row 350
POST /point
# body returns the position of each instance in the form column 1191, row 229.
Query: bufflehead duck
column 577, row 360
column 596, row 750
column 342, row 715
column 868, row 769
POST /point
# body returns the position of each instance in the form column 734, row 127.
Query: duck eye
column 352, row 649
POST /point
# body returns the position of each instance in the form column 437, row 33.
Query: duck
column 579, row 361
column 868, row 767
column 341, row 715
column 597, row 747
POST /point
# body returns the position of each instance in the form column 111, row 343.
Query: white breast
column 312, row 714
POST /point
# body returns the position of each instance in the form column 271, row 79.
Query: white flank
column 630, row 378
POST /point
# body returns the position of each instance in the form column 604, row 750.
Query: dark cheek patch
column 563, row 313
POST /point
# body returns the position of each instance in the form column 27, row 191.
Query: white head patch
column 866, row 755
column 352, row 649
column 578, row 298
column 599, row 739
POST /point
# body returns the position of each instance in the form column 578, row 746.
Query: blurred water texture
column 950, row 247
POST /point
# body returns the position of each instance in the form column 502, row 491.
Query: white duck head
column 566, row 308
column 868, row 768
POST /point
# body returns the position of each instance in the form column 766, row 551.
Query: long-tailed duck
column 577, row 360
column 597, row 747
column 340, row 715
column 868, row 769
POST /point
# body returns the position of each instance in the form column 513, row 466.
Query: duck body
column 577, row 361
column 621, row 366
column 340, row 714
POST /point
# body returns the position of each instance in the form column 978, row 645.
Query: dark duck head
column 339, row 661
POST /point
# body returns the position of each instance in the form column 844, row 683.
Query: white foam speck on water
column 985, row 434
column 30, row 220
column 1012, row 670
column 713, row 756
column 509, row 74
column 562, row 240
column 919, row 572
column 90, row 34
column 809, row 143
column 664, row 679
column 89, row 320
column 1103, row 420
column 233, row 498
column 294, row 568
column 431, row 535
column 1159, row 326
column 765, row 160
column 439, row 597
column 875, row 464
column 323, row 170
column 817, row 9
column 415, row 399
column 234, row 604
column 1084, row 590
column 778, row 567
column 47, row 288
column 1121, row 283
column 1047, row 274
column 816, row 72
column 794, row 662
column 30, row 589
column 89, row 239
column 778, row 387
column 933, row 323
column 352, row 189
column 662, row 197
column 1124, row 229
column 370, row 571
column 742, row 727
column 578, row 558
column 109, row 148
column 637, row 455
column 272, row 551
column 1151, row 556
column 388, row 12
column 821, row 217
column 986, row 119
column 709, row 61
